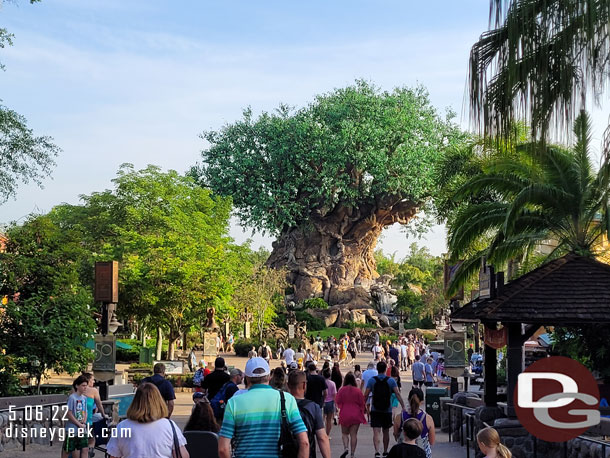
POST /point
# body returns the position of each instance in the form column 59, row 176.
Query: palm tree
column 537, row 63
column 540, row 192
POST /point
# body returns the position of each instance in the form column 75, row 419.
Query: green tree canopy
column 171, row 239
column 47, row 318
column 353, row 146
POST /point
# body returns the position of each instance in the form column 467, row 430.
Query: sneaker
column 377, row 455
column 385, row 454
column 344, row 454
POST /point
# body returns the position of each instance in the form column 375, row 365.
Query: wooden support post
column 490, row 373
column 477, row 340
column 515, row 359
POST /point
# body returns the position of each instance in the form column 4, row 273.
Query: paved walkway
column 365, row 449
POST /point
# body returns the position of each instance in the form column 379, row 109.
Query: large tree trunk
column 335, row 253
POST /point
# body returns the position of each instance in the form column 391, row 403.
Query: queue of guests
column 250, row 421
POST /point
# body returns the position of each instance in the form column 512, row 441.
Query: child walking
column 489, row 443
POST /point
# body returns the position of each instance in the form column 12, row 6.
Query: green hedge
column 313, row 323
column 185, row 381
column 243, row 346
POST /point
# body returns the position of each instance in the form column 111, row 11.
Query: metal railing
column 467, row 436
column 46, row 422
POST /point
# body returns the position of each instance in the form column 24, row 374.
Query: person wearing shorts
column 381, row 418
column 77, row 438
column 418, row 370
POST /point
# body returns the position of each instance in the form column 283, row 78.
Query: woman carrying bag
column 152, row 434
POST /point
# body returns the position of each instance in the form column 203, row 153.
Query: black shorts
column 429, row 383
column 381, row 420
column 418, row 383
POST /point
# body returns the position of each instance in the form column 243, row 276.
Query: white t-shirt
column 148, row 440
column 289, row 355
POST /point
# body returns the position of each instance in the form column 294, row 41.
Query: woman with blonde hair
column 147, row 430
column 489, row 443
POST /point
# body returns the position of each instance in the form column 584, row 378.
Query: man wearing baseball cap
column 253, row 420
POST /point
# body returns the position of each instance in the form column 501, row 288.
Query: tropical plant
column 538, row 62
column 542, row 192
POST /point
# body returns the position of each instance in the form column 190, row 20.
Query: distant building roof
column 570, row 290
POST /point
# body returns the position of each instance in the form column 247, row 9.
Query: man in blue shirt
column 252, row 421
column 382, row 388
column 165, row 387
column 418, row 370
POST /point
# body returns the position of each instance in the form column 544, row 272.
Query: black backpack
column 381, row 394
column 310, row 424
column 264, row 351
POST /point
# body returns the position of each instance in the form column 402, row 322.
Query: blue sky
column 137, row 81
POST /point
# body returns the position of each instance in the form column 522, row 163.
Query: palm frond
column 537, row 63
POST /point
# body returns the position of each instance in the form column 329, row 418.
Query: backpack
column 219, row 401
column 198, row 377
column 381, row 394
column 264, row 351
column 310, row 423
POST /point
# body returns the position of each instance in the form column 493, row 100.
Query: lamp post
column 106, row 292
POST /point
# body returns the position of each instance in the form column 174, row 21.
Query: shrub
column 313, row 323
column 140, row 366
column 127, row 356
column 429, row 336
column 315, row 303
column 243, row 346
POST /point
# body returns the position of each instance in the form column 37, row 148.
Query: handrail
column 49, row 420
column 471, row 437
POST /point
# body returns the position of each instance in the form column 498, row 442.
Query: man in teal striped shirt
column 253, row 420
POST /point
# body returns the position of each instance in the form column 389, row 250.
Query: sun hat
column 257, row 363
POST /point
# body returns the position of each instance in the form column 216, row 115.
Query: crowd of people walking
column 292, row 410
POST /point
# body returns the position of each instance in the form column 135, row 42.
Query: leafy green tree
column 538, row 62
column 543, row 193
column 171, row 239
column 587, row 344
column 419, row 279
column 260, row 293
column 47, row 318
column 329, row 177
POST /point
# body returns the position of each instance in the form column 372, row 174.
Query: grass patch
column 324, row 333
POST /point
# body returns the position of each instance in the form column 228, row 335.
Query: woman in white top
column 149, row 433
